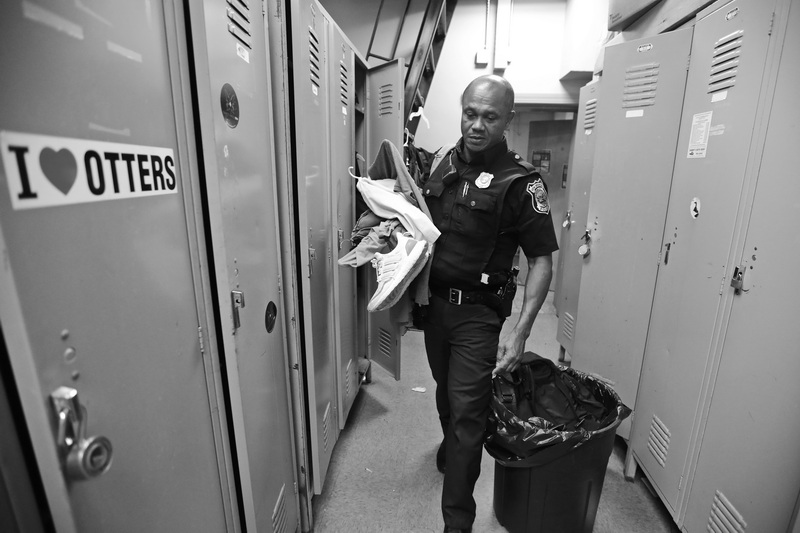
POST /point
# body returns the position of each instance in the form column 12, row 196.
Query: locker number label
column 45, row 171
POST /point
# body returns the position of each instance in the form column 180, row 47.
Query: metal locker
column 574, row 224
column 384, row 120
column 747, row 472
column 232, row 73
column 643, row 86
column 103, row 288
column 315, row 228
column 731, row 50
column 341, row 72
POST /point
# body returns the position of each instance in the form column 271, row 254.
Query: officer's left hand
column 509, row 353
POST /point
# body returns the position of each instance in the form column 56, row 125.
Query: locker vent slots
column 658, row 443
column 314, row 57
column 640, row 85
column 569, row 323
column 347, row 380
column 239, row 21
column 385, row 342
column 344, row 78
column 326, row 417
column 279, row 513
column 385, row 100
column 724, row 516
column 725, row 62
column 591, row 114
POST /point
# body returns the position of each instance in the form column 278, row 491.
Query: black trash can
column 551, row 434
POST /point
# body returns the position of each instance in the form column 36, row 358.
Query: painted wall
column 536, row 46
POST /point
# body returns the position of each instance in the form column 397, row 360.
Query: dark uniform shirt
column 525, row 219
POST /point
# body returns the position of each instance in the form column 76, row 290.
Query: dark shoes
column 456, row 530
column 441, row 458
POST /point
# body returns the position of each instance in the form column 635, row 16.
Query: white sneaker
column 396, row 270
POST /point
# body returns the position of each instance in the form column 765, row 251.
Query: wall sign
column 45, row 171
column 540, row 159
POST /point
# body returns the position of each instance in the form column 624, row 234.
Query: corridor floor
column 383, row 478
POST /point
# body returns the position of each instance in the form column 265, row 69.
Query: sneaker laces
column 385, row 265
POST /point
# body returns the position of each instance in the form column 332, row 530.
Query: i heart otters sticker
column 59, row 168
column 46, row 171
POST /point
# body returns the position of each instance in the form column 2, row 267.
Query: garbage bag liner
column 543, row 411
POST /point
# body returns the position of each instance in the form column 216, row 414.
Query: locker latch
column 237, row 302
column 81, row 457
column 586, row 248
column 567, row 220
column 340, row 234
column 312, row 256
column 737, row 281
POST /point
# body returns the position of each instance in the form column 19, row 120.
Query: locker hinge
column 295, row 487
column 200, row 338
column 680, row 484
column 771, row 23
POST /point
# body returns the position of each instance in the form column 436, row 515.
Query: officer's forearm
column 537, row 283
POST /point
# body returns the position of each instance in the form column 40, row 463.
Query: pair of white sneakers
column 396, row 270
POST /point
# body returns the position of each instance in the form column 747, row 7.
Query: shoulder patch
column 538, row 196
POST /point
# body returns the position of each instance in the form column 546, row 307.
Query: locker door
column 729, row 54
column 100, row 290
column 384, row 116
column 341, row 70
column 643, row 85
column 232, row 66
column 315, row 229
column 574, row 225
column 753, row 428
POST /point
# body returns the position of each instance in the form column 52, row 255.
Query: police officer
column 487, row 201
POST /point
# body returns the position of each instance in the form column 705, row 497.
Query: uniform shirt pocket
column 476, row 213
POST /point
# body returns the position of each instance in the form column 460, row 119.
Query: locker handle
column 237, row 302
column 737, row 280
column 586, row 248
column 81, row 457
column 312, row 256
column 567, row 220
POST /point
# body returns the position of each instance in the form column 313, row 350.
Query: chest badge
column 484, row 180
column 538, row 196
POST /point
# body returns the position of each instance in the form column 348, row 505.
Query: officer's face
column 485, row 114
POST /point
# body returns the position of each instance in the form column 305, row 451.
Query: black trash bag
column 543, row 411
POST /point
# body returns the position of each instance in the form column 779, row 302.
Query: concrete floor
column 383, row 478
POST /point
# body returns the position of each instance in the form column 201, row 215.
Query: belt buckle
column 455, row 296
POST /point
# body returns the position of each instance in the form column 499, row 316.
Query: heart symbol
column 59, row 168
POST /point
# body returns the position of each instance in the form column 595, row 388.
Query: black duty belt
column 455, row 296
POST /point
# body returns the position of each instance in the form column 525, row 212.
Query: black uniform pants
column 461, row 343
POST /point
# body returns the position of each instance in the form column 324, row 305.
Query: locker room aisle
column 383, row 477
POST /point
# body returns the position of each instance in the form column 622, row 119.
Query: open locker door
column 384, row 118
